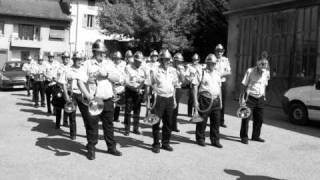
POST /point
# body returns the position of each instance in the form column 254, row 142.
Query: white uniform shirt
column 52, row 69
column 134, row 76
column 223, row 66
column 69, row 77
column 101, row 87
column 39, row 71
column 208, row 82
column 163, row 81
column 27, row 68
column 256, row 82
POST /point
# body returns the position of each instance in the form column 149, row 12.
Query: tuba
column 196, row 118
column 95, row 106
column 151, row 118
column 243, row 111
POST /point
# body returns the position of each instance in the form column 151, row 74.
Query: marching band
column 101, row 87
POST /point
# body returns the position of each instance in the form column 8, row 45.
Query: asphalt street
column 31, row 149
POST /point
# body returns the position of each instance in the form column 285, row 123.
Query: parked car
column 12, row 76
column 302, row 104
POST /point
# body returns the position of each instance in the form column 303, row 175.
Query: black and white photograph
column 159, row 89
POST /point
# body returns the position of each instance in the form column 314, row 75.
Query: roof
column 43, row 9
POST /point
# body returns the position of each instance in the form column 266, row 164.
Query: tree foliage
column 167, row 22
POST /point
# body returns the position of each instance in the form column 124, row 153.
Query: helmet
column 99, row 46
column 128, row 54
column 219, row 47
column 154, row 53
column 50, row 54
column 178, row 57
column 165, row 54
column 29, row 58
column 65, row 54
column 211, row 58
column 138, row 56
column 40, row 57
column 195, row 57
column 117, row 55
column 77, row 55
column 243, row 112
column 95, row 106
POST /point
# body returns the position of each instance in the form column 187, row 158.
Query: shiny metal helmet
column 154, row 53
column 40, row 57
column 117, row 55
column 98, row 46
column 165, row 54
column 243, row 112
column 95, row 106
column 128, row 54
column 219, row 47
column 77, row 56
column 65, row 54
column 211, row 58
column 29, row 58
column 195, row 57
column 178, row 57
column 138, row 56
column 50, row 54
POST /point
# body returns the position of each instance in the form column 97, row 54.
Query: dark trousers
column 214, row 115
column 48, row 90
column 163, row 109
column 92, row 124
column 28, row 84
column 71, row 116
column 176, row 110
column 190, row 102
column 116, row 113
column 223, row 98
column 39, row 88
column 256, row 105
column 133, row 103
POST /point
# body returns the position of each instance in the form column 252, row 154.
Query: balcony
column 27, row 43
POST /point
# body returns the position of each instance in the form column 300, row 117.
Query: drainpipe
column 77, row 22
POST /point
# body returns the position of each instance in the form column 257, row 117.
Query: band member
column 120, row 65
column 134, row 82
column 178, row 64
column 163, row 80
column 71, row 90
column 64, row 67
column 128, row 57
column 224, row 68
column 38, row 72
column 51, row 74
column 98, row 75
column 27, row 69
column 193, row 69
column 254, row 84
column 207, row 101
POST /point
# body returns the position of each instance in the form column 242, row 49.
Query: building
column 287, row 29
column 31, row 27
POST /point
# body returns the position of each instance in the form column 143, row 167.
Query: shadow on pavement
column 276, row 117
column 47, row 126
column 35, row 111
column 175, row 139
column 243, row 176
column 25, row 104
column 126, row 142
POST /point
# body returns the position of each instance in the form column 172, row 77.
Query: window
column 24, row 55
column 28, row 32
column 88, row 21
column 1, row 28
column 57, row 33
column 91, row 3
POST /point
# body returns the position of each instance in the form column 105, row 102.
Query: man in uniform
column 128, row 57
column 134, row 82
column 27, row 69
column 52, row 67
column 207, row 91
column 178, row 64
column 95, row 79
column 224, row 68
column 38, row 72
column 253, row 90
column 192, row 70
column 163, row 80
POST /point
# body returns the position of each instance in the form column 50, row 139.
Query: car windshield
column 14, row 66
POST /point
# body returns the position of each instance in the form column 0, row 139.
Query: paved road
column 32, row 149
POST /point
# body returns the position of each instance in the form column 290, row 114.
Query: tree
column 169, row 23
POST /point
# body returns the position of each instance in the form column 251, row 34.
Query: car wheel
column 298, row 114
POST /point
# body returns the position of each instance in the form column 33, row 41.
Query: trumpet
column 243, row 111
column 151, row 118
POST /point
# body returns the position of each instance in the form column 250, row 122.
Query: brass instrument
column 243, row 111
column 151, row 118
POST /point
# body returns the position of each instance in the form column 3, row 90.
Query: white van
column 302, row 104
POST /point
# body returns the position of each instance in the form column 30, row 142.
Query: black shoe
column 114, row 152
column 29, row 95
column 126, row 133
column 155, row 149
column 73, row 137
column 201, row 143
column 216, row 143
column 49, row 112
column 136, row 131
column 244, row 140
column 57, row 127
column 43, row 105
column 65, row 125
column 176, row 130
column 167, row 147
column 116, row 120
column 223, row 125
column 91, row 155
column 258, row 139
column 36, row 105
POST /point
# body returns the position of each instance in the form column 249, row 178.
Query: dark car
column 12, row 76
